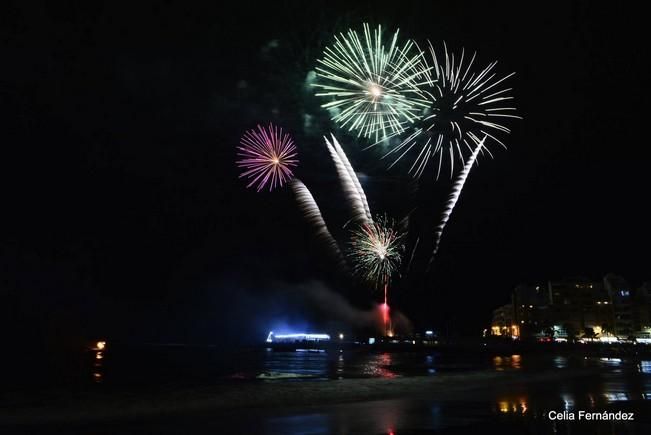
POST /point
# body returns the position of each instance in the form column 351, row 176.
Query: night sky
column 124, row 216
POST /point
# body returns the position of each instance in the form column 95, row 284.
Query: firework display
column 388, row 93
column 454, row 195
column 376, row 250
column 350, row 183
column 372, row 84
column 464, row 103
column 312, row 214
column 267, row 156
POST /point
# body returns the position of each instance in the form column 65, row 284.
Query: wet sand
column 59, row 408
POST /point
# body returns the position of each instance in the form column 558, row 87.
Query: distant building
column 576, row 308
column 530, row 308
column 579, row 306
column 621, row 297
column 503, row 324
column 642, row 309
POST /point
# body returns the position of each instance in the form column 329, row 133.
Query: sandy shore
column 115, row 406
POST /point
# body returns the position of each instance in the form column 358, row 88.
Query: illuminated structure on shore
column 605, row 311
column 294, row 337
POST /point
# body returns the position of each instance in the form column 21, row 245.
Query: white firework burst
column 464, row 105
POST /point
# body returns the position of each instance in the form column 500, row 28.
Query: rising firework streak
column 312, row 214
column 456, row 192
column 353, row 175
column 349, row 182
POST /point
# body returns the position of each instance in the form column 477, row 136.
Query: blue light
column 299, row 336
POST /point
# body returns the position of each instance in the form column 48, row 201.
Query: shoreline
column 262, row 395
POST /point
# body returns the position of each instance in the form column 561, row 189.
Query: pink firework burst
column 267, row 157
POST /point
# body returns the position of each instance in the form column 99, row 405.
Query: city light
column 596, row 313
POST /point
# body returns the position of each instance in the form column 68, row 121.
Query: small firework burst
column 267, row 157
column 372, row 87
column 376, row 251
column 465, row 105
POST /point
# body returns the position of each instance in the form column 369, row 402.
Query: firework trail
column 413, row 253
column 267, row 157
column 376, row 251
column 373, row 87
column 462, row 102
column 454, row 195
column 403, row 226
column 349, row 183
column 351, row 172
column 312, row 214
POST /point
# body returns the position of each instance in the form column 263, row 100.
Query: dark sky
column 124, row 215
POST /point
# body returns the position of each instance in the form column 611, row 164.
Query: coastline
column 90, row 407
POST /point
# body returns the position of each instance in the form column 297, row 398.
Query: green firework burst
column 372, row 88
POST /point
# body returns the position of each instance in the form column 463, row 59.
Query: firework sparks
column 373, row 88
column 312, row 214
column 464, row 104
column 350, row 183
column 267, row 157
column 376, row 251
column 454, row 195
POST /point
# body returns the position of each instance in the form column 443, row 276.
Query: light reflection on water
column 304, row 424
column 97, row 372
column 618, row 382
column 380, row 366
column 568, row 402
column 610, row 383
column 305, row 364
column 512, row 406
column 508, row 415
column 342, row 365
column 501, row 363
column 560, row 362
